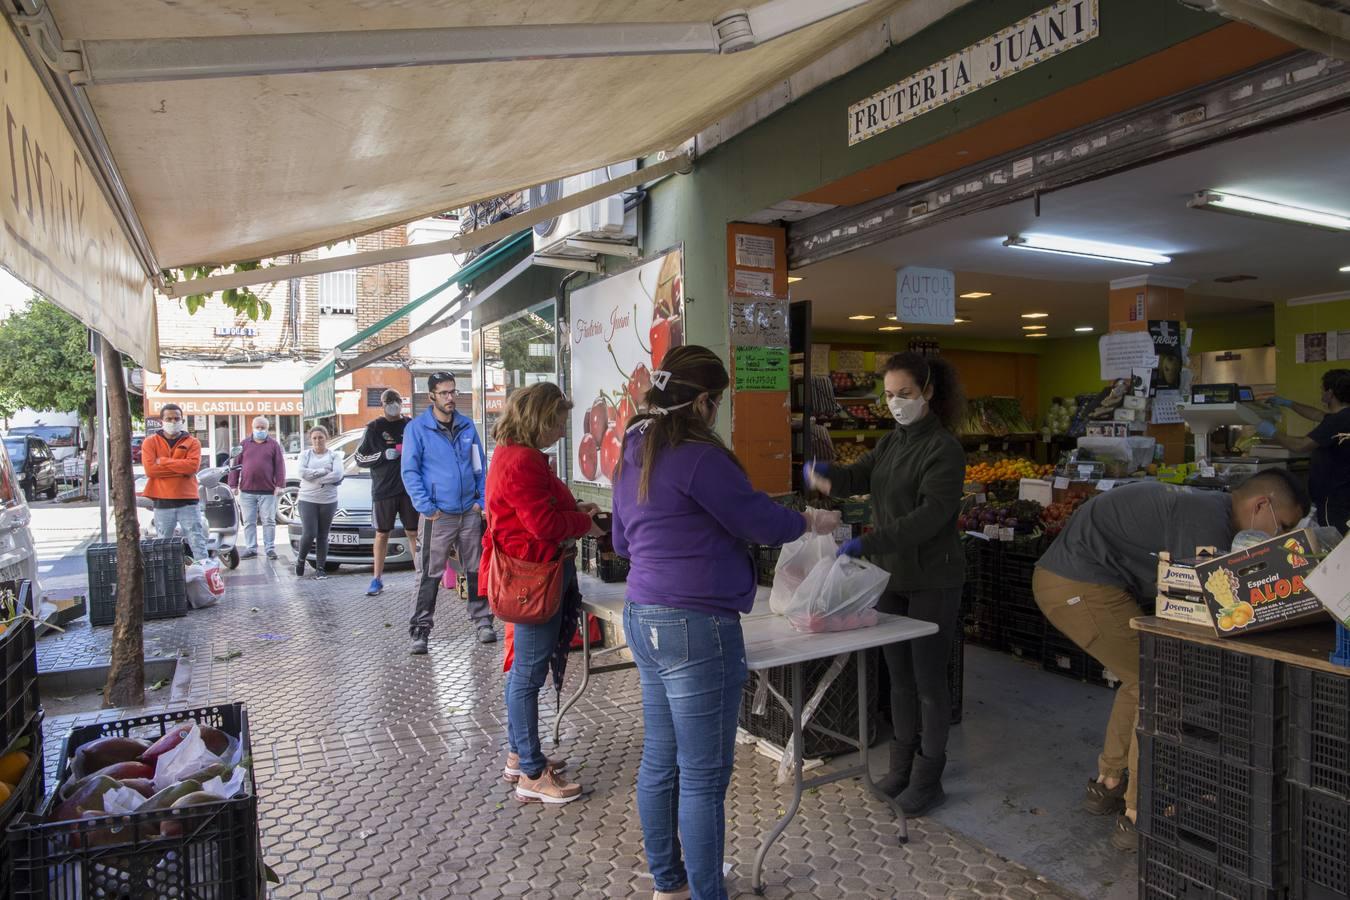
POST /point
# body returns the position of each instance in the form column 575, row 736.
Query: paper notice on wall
column 820, row 359
column 759, row 284
column 850, row 361
column 755, row 251
column 1312, row 347
column 1122, row 352
column 1165, row 408
column 761, row 368
column 759, row 323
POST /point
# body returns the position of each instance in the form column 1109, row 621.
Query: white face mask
column 392, row 409
column 907, row 412
column 171, row 428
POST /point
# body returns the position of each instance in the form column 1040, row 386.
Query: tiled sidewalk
column 379, row 772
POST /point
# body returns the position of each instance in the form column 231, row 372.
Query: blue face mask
column 260, row 435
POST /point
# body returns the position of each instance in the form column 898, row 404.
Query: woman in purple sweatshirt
column 684, row 511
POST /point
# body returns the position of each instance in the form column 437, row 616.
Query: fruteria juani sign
column 1021, row 45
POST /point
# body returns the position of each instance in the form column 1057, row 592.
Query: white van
column 60, row 430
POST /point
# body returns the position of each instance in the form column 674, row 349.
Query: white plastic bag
column 205, row 587
column 838, row 595
column 795, row 562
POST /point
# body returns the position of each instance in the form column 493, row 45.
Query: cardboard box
column 1330, row 581
column 1131, row 401
column 1262, row 587
column 1188, row 608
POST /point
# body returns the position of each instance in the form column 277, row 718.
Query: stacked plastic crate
column 21, row 721
column 1319, row 783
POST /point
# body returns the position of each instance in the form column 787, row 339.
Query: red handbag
column 522, row 592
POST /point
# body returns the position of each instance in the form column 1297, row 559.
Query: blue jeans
column 188, row 519
column 255, row 506
column 534, row 646
column 692, row 667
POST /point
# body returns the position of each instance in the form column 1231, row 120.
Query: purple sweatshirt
column 259, row 468
column 687, row 541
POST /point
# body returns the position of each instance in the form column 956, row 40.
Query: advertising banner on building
column 620, row 330
column 60, row 234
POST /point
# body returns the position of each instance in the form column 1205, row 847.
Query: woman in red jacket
column 532, row 516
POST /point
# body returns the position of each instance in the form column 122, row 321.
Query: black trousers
column 315, row 520
column 1334, row 510
column 921, row 700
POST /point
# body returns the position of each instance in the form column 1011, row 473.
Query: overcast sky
column 13, row 293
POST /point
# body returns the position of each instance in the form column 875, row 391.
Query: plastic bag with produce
column 838, row 595
column 795, row 562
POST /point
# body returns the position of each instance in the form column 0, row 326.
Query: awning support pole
column 673, row 161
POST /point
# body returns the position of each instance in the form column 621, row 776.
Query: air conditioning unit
column 577, row 239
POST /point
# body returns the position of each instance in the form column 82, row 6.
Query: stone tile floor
column 379, row 773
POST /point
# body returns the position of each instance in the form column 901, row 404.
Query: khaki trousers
column 1097, row 617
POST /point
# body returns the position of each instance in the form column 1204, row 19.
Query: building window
column 465, row 336
column 373, row 396
column 337, row 293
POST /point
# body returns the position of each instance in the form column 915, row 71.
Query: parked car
column 345, row 443
column 33, row 465
column 62, row 439
column 136, row 441
column 351, row 542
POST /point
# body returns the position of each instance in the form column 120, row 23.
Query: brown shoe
column 511, row 771
column 547, row 788
column 1103, row 801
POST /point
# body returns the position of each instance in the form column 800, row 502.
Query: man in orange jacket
column 171, row 458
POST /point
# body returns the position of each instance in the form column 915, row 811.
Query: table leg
column 585, row 680
column 862, row 748
column 757, row 880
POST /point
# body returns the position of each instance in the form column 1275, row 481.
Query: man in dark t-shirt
column 1329, row 446
column 379, row 452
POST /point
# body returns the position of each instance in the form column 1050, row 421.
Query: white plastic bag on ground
column 205, row 587
column 795, row 562
column 838, row 595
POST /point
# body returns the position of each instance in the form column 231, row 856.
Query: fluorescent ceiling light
column 1345, row 268
column 861, row 318
column 976, row 295
column 891, row 328
column 1083, row 328
column 1033, row 327
column 793, row 279
column 891, row 316
column 1049, row 243
column 1035, row 315
column 1037, row 334
column 960, row 321
column 1218, row 201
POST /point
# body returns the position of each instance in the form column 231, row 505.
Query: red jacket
column 171, row 472
column 530, row 511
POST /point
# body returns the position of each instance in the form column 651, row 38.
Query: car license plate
column 344, row 537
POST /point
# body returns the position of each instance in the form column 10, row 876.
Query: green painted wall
column 1303, row 381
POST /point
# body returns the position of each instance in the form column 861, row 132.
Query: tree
column 126, row 672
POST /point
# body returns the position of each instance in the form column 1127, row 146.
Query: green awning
column 320, row 396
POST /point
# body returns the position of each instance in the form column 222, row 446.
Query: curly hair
column 949, row 398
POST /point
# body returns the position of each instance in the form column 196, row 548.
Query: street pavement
column 379, row 773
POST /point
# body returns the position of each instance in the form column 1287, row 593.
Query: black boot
column 925, row 787
column 897, row 772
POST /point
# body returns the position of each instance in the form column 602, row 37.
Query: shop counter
column 1244, row 763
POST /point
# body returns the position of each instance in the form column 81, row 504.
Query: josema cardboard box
column 1263, row 586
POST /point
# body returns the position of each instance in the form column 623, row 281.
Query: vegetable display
column 1006, row 469
column 996, row 416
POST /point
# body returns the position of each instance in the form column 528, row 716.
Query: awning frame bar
column 678, row 161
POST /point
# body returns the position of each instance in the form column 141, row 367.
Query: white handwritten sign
column 1023, row 44
column 1124, row 351
column 925, row 296
column 759, row 323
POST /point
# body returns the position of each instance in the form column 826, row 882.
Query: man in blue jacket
column 444, row 471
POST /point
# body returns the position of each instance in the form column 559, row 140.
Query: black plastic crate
column 163, row 580
column 589, row 555
column 612, row 568
column 19, row 703
column 27, row 794
column 1221, row 701
column 1016, row 565
column 1320, row 844
column 1167, row 872
column 1023, row 632
column 833, row 728
column 1319, row 730
column 982, row 626
column 1229, row 815
column 215, row 856
column 766, row 560
column 956, row 677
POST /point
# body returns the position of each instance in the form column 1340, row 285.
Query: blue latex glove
column 1281, row 401
column 1266, row 429
column 851, row 548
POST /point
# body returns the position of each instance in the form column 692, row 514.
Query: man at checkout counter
column 1090, row 583
column 1328, row 444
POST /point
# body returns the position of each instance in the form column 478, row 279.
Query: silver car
column 346, row 443
column 351, row 542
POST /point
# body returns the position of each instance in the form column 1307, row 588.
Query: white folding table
column 770, row 642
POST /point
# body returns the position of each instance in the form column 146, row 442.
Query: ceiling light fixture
column 891, row 316
column 861, row 318
column 1049, row 243
column 1084, row 328
column 1218, row 201
column 976, row 295
column 1035, row 315
column 793, row 279
column 959, row 321
column 1036, row 334
column 1345, row 268
column 1033, row 327
column 891, row 328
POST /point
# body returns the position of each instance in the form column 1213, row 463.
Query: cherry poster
column 621, row 328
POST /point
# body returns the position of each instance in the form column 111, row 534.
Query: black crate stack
column 21, row 726
column 1244, row 773
column 164, row 580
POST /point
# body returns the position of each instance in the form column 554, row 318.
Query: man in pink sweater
column 257, row 475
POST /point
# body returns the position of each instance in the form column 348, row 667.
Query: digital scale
column 1213, row 406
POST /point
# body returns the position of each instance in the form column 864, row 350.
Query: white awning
column 220, row 169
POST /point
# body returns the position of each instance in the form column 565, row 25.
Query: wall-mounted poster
column 1167, row 344
column 621, row 329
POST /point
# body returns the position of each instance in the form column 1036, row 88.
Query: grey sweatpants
column 438, row 540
